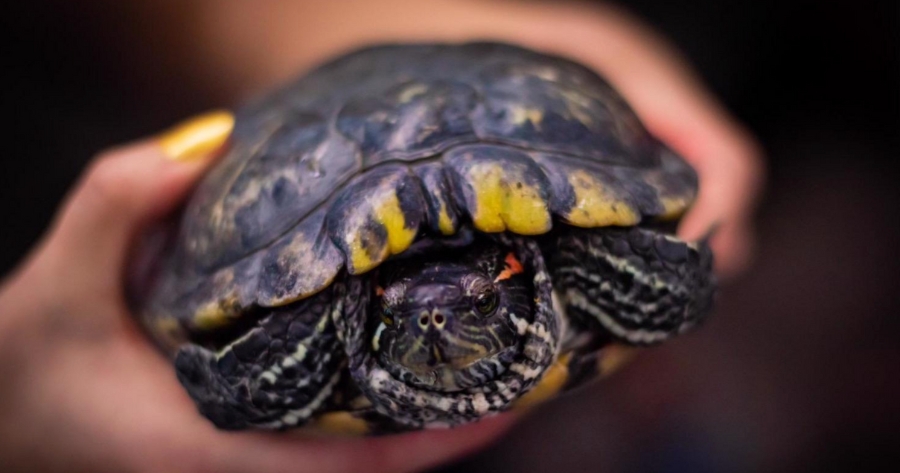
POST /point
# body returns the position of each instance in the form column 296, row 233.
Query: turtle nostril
column 423, row 321
column 438, row 319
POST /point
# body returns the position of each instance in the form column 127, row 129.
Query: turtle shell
column 353, row 162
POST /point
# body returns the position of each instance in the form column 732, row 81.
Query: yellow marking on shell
column 486, row 182
column 673, row 208
column 520, row 115
column 550, row 385
column 502, row 205
column 299, row 256
column 167, row 331
column 342, row 423
column 198, row 136
column 360, row 258
column 388, row 213
column 445, row 223
column 614, row 357
column 165, row 325
column 223, row 307
column 595, row 206
column 391, row 216
column 215, row 314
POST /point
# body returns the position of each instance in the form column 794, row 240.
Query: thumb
column 123, row 191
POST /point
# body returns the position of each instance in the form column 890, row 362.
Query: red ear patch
column 379, row 291
column 513, row 267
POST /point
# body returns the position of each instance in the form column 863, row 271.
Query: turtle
column 424, row 235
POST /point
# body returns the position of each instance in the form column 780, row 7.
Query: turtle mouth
column 458, row 374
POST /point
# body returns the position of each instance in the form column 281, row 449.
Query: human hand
column 648, row 71
column 83, row 389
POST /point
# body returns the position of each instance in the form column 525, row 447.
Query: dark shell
column 354, row 161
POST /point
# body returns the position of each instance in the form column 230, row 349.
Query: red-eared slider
column 415, row 236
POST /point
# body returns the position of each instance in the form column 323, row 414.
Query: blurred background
column 800, row 368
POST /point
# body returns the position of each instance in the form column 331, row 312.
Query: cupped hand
column 83, row 390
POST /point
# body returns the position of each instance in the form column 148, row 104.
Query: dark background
column 799, row 370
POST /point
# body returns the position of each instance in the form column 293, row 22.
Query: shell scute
column 300, row 263
column 378, row 215
column 201, row 302
column 276, row 186
column 410, row 120
column 501, row 188
column 442, row 214
column 543, row 104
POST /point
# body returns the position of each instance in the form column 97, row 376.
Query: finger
column 728, row 192
column 125, row 189
column 410, row 452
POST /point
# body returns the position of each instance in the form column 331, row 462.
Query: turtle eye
column 486, row 302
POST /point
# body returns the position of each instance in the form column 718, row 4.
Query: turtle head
column 448, row 323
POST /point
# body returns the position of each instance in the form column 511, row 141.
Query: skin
column 84, row 391
column 429, row 310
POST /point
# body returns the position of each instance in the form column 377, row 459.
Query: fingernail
column 196, row 137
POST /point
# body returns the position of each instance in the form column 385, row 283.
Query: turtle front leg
column 276, row 376
column 640, row 285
